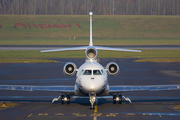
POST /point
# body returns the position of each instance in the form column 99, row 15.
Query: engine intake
column 69, row 69
column 112, row 68
column 91, row 53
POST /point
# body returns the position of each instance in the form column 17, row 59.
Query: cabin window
column 87, row 72
column 97, row 72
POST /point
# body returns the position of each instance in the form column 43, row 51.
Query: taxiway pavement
column 37, row 105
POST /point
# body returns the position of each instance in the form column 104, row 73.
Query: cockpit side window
column 81, row 72
column 97, row 72
column 102, row 71
column 87, row 72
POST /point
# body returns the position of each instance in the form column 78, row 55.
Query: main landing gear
column 119, row 99
column 64, row 99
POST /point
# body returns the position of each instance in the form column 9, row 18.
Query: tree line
column 82, row 7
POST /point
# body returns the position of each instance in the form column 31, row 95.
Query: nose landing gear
column 92, row 100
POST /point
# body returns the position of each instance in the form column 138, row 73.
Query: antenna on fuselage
column 90, row 37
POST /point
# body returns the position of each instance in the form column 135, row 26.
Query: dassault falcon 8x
column 91, row 78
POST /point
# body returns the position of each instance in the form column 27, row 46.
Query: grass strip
column 158, row 60
column 107, row 30
column 81, row 54
column 85, row 41
column 27, row 61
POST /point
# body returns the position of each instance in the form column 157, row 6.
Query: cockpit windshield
column 87, row 72
column 97, row 72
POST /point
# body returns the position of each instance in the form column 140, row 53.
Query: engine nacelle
column 69, row 69
column 112, row 68
column 91, row 53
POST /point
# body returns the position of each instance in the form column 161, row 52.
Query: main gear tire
column 62, row 99
column 68, row 99
column 114, row 99
column 120, row 99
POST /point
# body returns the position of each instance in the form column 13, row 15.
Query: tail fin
column 90, row 37
column 90, row 44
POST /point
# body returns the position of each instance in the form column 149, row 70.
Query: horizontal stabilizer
column 85, row 47
column 67, row 49
column 115, row 49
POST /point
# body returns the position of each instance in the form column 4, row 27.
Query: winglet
column 90, row 38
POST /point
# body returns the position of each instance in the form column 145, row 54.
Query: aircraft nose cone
column 93, row 85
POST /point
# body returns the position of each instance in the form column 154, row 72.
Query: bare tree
column 100, row 7
column 89, row 4
column 17, row 3
column 164, row 7
column 172, row 7
column 34, row 7
column 139, row 7
column 71, row 6
column 46, row 6
column 104, row 7
column 177, row 6
column 108, row 3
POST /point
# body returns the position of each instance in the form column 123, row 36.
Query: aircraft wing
column 129, row 88
column 63, row 89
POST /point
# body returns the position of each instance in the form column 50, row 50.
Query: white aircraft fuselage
column 92, row 82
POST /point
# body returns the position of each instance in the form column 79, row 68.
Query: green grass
column 96, row 41
column 107, row 30
column 80, row 54
column 26, row 61
column 158, row 60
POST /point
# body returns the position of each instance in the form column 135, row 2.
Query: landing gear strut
column 92, row 100
column 55, row 99
column 63, row 99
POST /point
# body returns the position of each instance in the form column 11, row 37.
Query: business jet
column 91, row 78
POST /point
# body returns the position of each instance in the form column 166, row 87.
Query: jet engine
column 91, row 53
column 69, row 69
column 112, row 68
